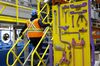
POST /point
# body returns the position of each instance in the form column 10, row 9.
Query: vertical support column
column 38, row 7
column 17, row 11
column 14, row 39
column 48, row 12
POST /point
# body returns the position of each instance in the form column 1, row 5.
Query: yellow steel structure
column 12, row 19
column 46, row 10
column 71, row 34
column 24, row 33
column 35, row 50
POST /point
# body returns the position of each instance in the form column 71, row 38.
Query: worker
column 35, row 31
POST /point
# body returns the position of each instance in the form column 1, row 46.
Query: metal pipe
column 7, row 4
column 28, row 57
column 2, row 9
column 60, row 38
column 17, row 11
column 40, row 59
column 21, row 53
column 38, row 45
column 18, row 58
column 43, row 56
column 41, row 9
column 13, row 5
column 38, row 8
column 8, row 54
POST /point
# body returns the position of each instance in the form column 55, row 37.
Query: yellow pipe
column 7, row 4
column 42, row 9
column 11, row 19
column 11, row 51
column 18, row 40
column 2, row 9
column 44, row 54
column 21, row 52
column 40, row 58
column 45, row 18
column 13, row 47
column 13, row 5
column 25, row 31
column 44, row 12
column 38, row 7
column 38, row 45
column 48, row 10
column 17, row 11
column 16, row 57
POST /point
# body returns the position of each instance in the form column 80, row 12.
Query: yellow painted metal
column 80, row 55
column 16, row 57
column 40, row 59
column 43, row 56
column 17, row 20
column 39, row 12
column 43, row 9
column 38, row 7
column 32, row 56
column 12, row 19
column 7, row 4
column 13, row 5
column 17, row 11
column 11, row 51
column 21, row 53
column 2, row 9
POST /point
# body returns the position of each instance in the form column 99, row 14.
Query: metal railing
column 40, row 10
column 14, row 54
column 43, row 9
column 16, row 6
column 35, row 50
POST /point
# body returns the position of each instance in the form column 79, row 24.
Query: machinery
column 67, row 43
column 72, row 34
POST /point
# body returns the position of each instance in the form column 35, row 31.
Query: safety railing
column 43, row 9
column 35, row 50
column 16, row 6
column 14, row 54
column 46, row 10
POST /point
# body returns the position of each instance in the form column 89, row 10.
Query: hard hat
column 34, row 12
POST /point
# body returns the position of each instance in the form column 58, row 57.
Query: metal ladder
column 27, row 43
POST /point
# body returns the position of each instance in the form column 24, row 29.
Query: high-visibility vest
column 34, row 29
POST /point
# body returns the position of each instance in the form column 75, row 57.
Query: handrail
column 2, row 9
column 43, row 55
column 13, row 5
column 35, row 50
column 16, row 6
column 17, row 12
column 11, row 50
column 42, row 9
